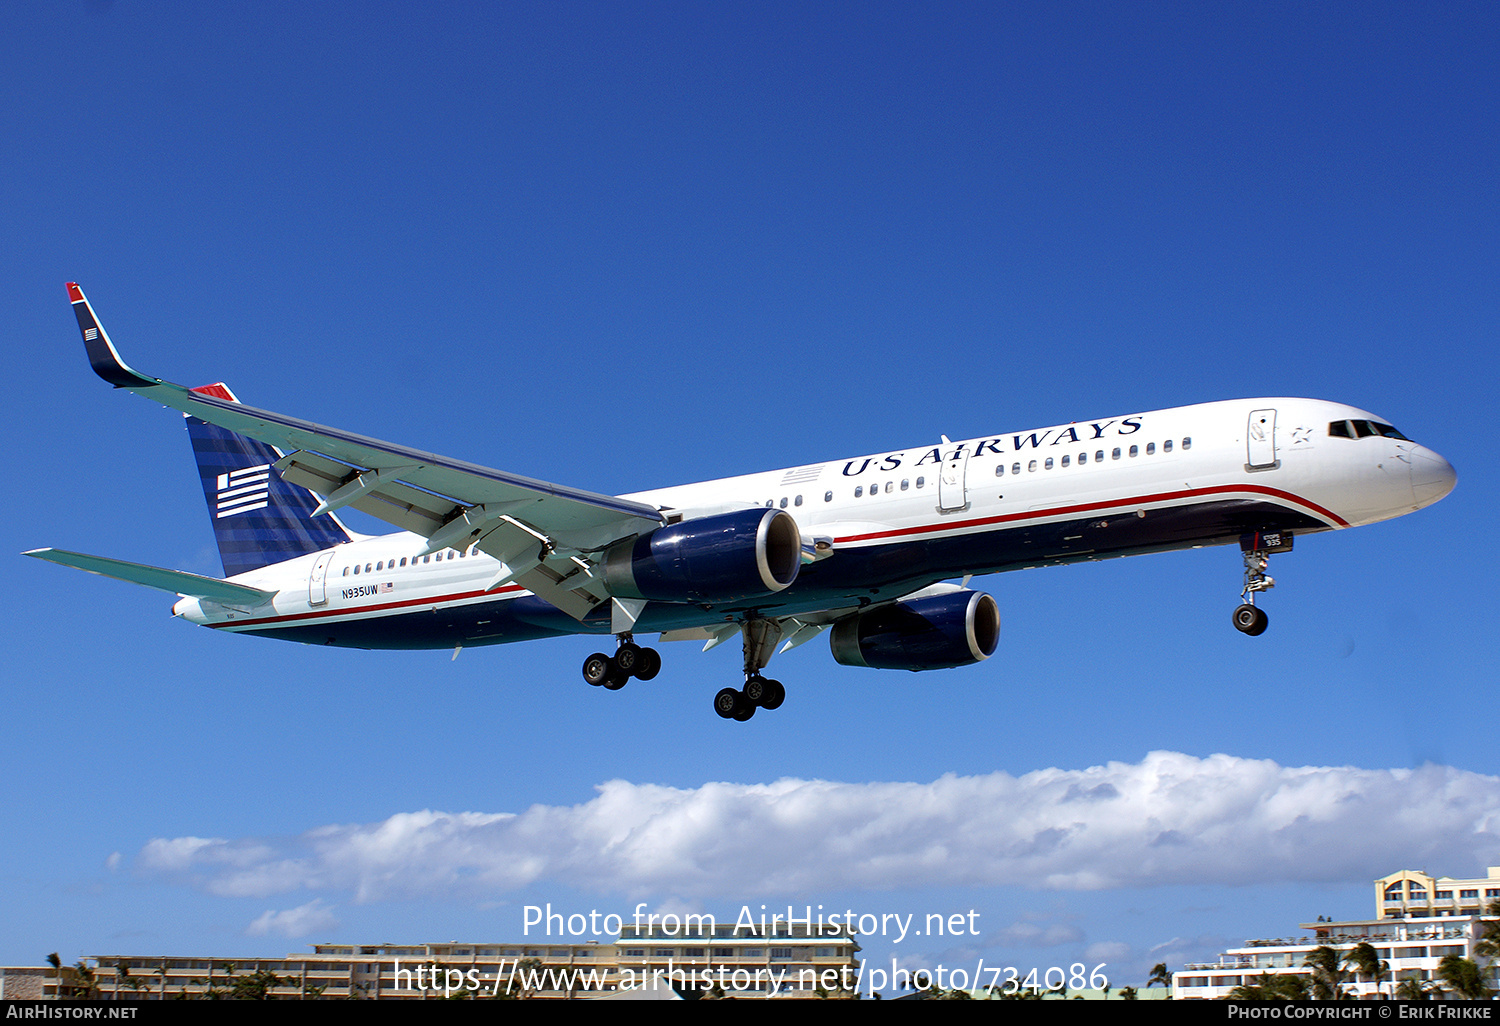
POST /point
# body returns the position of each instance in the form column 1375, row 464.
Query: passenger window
column 1099, row 456
column 999, row 469
column 1150, row 448
column 1187, row 443
column 1065, row 461
column 770, row 503
column 1015, row 468
column 403, row 560
column 783, row 502
column 1166, row 446
column 1135, row 451
column 1031, row 467
column 356, row 570
column 827, row 496
column 474, row 551
column 346, row 571
column 427, row 558
column 921, row 481
column 367, row 568
column 1083, row 458
column 905, row 483
column 859, row 490
column 1048, row 464
column 890, row 486
column 797, row 501
column 1115, row 455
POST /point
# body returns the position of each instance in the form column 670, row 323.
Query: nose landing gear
column 1256, row 549
column 629, row 660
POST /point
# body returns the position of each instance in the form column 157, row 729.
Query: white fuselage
column 1204, row 473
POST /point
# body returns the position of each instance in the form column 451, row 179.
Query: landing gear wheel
column 596, row 668
column 774, row 695
column 615, row 681
column 746, row 709
column 627, row 658
column 1250, row 620
column 727, row 703
column 755, row 690
column 649, row 664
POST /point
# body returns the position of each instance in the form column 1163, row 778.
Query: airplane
column 866, row 549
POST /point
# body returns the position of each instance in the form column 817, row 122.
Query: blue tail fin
column 258, row 518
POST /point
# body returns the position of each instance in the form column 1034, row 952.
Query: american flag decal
column 240, row 491
column 89, row 334
column 384, row 587
column 801, row 475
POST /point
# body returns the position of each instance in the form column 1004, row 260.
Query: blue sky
column 621, row 246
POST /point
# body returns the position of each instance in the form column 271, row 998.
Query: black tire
column 774, row 695
column 615, row 681
column 727, row 702
column 755, row 690
column 746, row 709
column 1250, row 620
column 649, row 665
column 627, row 658
column 596, row 668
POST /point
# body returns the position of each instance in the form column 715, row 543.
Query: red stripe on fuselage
column 874, row 536
column 381, row 607
column 1058, row 511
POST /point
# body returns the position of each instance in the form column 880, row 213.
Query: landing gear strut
column 1256, row 549
column 629, row 660
column 760, row 638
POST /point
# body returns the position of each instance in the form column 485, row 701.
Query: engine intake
column 722, row 558
column 928, row 632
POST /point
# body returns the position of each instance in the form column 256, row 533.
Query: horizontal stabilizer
column 176, row 581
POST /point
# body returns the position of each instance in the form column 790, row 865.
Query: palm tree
column 1272, row 987
column 1488, row 945
column 1327, row 974
column 1160, row 975
column 1364, row 959
column 1412, row 990
column 1462, row 976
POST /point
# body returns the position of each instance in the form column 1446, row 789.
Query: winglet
column 106, row 361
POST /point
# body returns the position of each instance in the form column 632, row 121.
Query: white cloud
column 314, row 917
column 1169, row 819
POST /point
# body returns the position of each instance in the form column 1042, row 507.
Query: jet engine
column 720, row 558
column 923, row 632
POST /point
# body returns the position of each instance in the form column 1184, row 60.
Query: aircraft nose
column 1432, row 477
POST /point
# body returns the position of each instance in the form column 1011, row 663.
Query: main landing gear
column 1257, row 549
column 760, row 638
column 629, row 660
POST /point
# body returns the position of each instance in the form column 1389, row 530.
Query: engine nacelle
column 927, row 632
column 722, row 558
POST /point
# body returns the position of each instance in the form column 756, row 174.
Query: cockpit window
column 1363, row 429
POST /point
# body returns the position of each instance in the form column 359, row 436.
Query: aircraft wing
column 545, row 533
